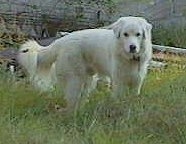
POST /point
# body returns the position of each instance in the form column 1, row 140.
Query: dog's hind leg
column 72, row 88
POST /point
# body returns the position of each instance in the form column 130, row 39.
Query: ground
column 157, row 116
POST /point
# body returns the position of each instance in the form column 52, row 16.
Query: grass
column 157, row 116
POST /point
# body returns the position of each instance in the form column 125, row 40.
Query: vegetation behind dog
column 170, row 36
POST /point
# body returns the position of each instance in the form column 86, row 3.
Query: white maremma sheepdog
column 121, row 51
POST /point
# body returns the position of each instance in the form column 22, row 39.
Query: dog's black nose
column 132, row 48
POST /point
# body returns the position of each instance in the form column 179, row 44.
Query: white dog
column 122, row 52
column 43, row 79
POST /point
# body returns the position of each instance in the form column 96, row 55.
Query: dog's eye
column 126, row 34
column 138, row 34
column 25, row 51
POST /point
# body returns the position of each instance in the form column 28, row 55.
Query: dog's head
column 27, row 56
column 131, row 33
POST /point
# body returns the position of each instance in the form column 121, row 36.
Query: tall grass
column 170, row 35
column 157, row 116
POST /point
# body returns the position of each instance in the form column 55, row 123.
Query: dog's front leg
column 141, row 77
column 119, row 88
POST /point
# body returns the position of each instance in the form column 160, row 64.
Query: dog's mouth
column 132, row 56
column 135, row 58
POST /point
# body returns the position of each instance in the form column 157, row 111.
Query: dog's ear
column 116, row 27
column 147, row 27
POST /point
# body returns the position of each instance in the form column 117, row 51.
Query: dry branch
column 169, row 49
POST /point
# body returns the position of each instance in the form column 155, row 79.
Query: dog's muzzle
column 132, row 48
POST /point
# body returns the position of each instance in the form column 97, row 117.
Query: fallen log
column 169, row 49
column 157, row 64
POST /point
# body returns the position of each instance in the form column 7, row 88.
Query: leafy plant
column 171, row 36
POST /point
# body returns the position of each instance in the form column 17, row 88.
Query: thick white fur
column 81, row 54
column 44, row 79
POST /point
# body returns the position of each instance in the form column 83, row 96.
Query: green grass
column 158, row 116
